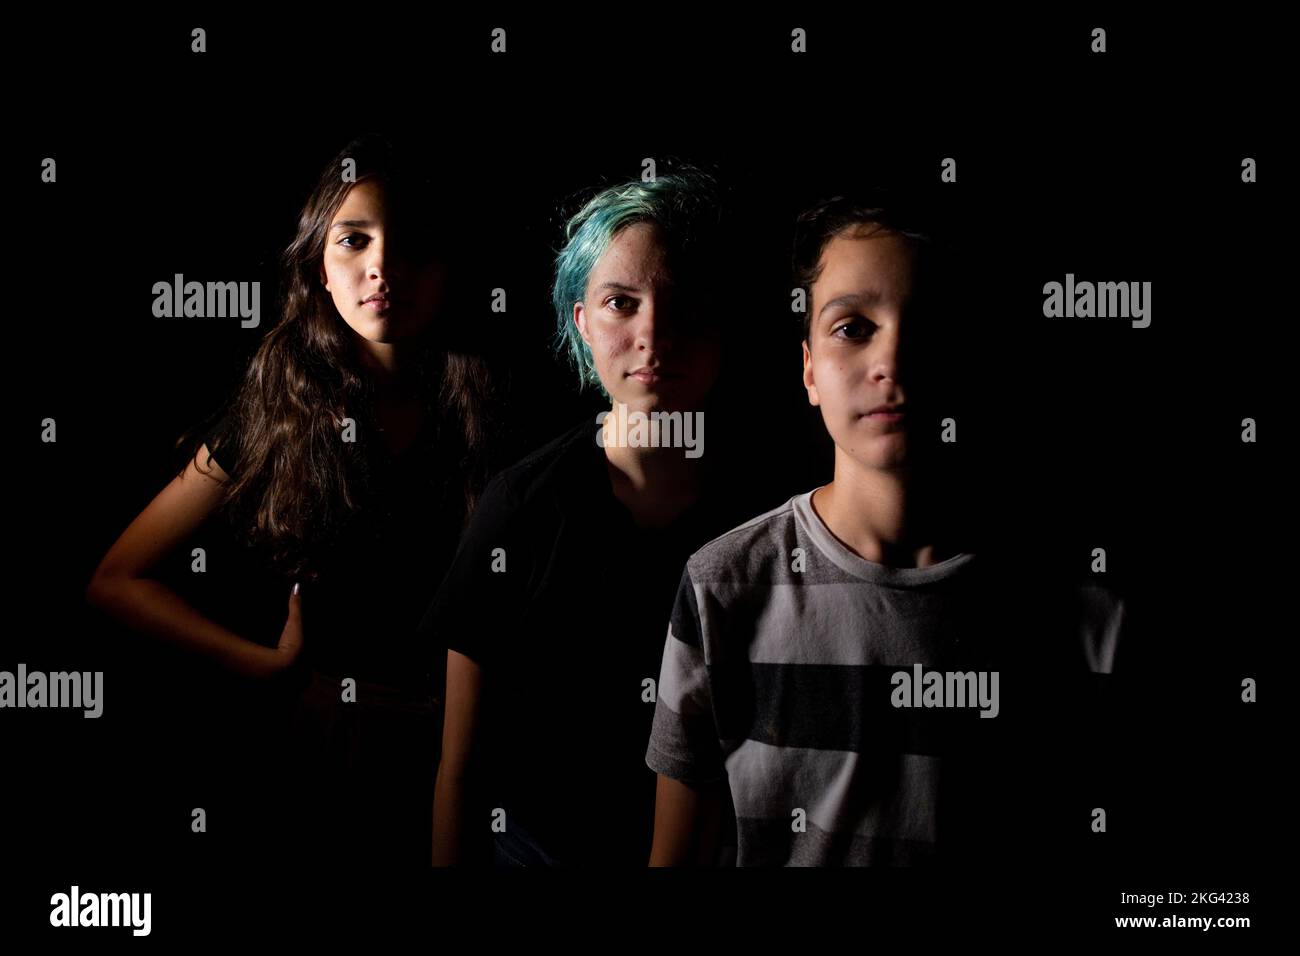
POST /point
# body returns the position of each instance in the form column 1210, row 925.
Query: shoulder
column 755, row 552
column 529, row 485
column 1100, row 611
column 221, row 436
column 1088, row 616
column 1057, row 614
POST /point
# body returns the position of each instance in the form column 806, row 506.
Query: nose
column 888, row 354
column 384, row 262
column 655, row 328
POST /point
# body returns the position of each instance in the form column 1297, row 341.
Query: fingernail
column 296, row 586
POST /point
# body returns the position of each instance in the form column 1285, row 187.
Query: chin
column 382, row 331
column 637, row 403
column 661, row 402
column 881, row 462
column 872, row 452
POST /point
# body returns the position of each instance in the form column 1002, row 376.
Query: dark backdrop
column 1074, row 434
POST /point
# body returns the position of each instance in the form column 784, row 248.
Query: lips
column 379, row 303
column 651, row 375
column 889, row 416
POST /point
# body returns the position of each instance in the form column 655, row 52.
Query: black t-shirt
column 567, row 635
column 360, row 616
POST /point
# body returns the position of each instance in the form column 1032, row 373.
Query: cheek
column 338, row 277
column 707, row 351
column 430, row 293
column 611, row 343
column 706, row 363
column 836, row 383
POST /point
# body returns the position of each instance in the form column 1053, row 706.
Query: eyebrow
column 852, row 299
column 352, row 223
column 617, row 287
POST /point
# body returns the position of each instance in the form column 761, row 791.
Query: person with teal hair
column 552, row 612
column 681, row 207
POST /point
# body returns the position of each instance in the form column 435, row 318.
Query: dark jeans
column 361, row 775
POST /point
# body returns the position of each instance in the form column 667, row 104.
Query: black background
column 1123, row 166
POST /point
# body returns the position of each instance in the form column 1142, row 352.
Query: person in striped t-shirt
column 845, row 681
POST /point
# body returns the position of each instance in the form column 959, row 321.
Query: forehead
column 365, row 197
column 636, row 255
column 862, row 259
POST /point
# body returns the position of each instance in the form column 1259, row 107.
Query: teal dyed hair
column 684, row 205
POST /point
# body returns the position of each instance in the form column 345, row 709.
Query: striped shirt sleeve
column 684, row 742
column 1102, row 613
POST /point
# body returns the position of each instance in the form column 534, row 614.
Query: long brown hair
column 297, row 486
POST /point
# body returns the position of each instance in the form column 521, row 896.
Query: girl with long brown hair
column 348, row 463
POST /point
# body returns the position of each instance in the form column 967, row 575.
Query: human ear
column 808, row 383
column 580, row 320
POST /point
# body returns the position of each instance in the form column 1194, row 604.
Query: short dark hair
column 821, row 223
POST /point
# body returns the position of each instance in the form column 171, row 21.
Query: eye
column 854, row 329
column 360, row 239
column 621, row 303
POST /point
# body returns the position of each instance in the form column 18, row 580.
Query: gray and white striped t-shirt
column 779, row 675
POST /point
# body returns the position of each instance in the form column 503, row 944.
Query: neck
column 390, row 366
column 884, row 515
column 646, row 468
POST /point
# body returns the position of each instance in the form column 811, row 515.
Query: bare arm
column 460, row 834
column 121, row 586
column 688, row 822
